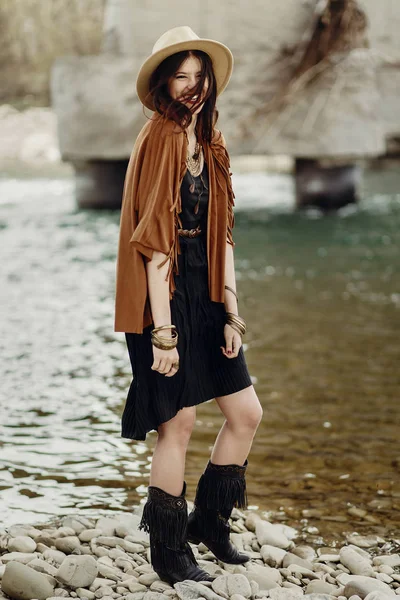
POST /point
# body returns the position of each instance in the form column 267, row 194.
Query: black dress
column 204, row 372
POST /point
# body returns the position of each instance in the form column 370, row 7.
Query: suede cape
column 150, row 210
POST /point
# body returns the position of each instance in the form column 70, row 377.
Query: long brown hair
column 176, row 110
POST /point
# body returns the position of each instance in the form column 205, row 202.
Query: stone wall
column 34, row 33
column 348, row 112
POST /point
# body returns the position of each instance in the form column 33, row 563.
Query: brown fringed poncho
column 150, row 217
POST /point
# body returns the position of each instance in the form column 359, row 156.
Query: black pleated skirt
column 204, row 372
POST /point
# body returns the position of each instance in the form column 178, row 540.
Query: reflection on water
column 321, row 297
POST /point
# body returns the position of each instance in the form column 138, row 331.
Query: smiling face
column 184, row 81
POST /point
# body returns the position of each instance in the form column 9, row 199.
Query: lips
column 193, row 100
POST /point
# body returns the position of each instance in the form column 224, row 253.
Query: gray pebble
column 103, row 591
column 270, row 534
column 377, row 596
column 84, row 593
column 294, row 580
column 21, row 557
column 101, row 582
column 148, row 578
column 21, row 543
column 109, row 572
column 355, row 562
column 271, row 555
column 108, row 526
column 23, row 530
column 154, row 596
column 392, row 560
column 384, row 577
column 43, row 567
column 292, row 559
column 89, row 534
column 61, row 593
column 364, row 585
column 77, row 523
column 285, row 594
column 320, row 587
column 227, row 585
column 385, row 569
column 23, row 583
column 78, row 571
column 131, row 546
column 67, row 544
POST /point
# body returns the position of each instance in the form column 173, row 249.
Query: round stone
column 78, row 571
column 21, row 543
column 23, row 583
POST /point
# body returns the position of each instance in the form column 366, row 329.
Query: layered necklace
column 194, row 166
column 194, row 162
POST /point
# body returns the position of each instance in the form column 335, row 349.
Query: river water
column 321, row 296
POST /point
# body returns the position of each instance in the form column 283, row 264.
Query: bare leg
column 168, row 464
column 243, row 413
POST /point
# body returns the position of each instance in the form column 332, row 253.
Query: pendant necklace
column 194, row 168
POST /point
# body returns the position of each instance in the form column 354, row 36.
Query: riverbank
column 108, row 558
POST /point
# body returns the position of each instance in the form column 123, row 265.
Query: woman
column 177, row 304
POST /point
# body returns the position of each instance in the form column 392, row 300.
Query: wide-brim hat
column 178, row 39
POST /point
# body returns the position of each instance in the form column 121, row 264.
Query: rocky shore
column 108, row 558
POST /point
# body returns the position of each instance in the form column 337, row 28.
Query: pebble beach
column 108, row 558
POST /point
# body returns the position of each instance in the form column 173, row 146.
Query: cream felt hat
column 178, row 39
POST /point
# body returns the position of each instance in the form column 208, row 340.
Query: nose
column 192, row 83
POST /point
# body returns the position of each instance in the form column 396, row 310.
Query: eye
column 181, row 77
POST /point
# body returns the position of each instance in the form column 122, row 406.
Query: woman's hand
column 233, row 342
column 165, row 362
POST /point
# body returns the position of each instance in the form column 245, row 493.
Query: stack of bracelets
column 162, row 342
column 236, row 322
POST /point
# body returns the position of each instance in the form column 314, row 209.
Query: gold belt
column 191, row 233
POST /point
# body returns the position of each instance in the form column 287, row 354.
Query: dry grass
column 33, row 33
column 338, row 28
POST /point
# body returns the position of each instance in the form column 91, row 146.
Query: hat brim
column 220, row 55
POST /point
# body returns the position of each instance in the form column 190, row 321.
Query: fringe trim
column 222, row 159
column 176, row 207
column 221, row 492
column 165, row 524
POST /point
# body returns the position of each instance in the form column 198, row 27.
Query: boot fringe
column 166, row 525
column 221, row 493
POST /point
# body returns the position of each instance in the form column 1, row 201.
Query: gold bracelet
column 163, row 346
column 233, row 292
column 163, row 327
column 236, row 322
column 162, row 342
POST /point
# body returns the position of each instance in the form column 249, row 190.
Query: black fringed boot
column 220, row 488
column 165, row 519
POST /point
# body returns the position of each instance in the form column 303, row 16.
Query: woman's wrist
column 231, row 305
column 231, row 300
column 165, row 332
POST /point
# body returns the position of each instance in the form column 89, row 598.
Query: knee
column 251, row 418
column 247, row 422
column 178, row 430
